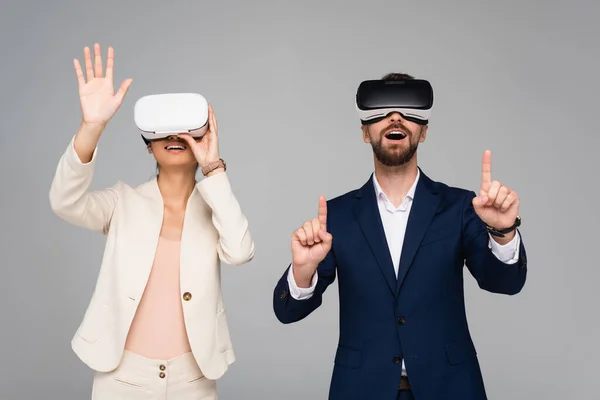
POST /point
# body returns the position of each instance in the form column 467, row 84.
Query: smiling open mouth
column 395, row 135
column 175, row 147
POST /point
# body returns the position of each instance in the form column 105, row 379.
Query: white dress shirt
column 394, row 221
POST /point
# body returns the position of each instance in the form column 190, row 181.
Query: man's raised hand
column 310, row 245
column 497, row 205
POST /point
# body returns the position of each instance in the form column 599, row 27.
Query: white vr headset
column 159, row 116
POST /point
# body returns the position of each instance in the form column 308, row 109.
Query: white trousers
column 140, row 378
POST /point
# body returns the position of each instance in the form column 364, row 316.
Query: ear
column 149, row 148
column 423, row 133
column 365, row 132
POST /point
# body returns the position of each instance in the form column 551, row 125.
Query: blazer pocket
column 460, row 351
column 96, row 321
column 197, row 379
column 127, row 382
column 347, row 357
column 437, row 235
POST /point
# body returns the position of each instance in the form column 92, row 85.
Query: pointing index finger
column 323, row 212
column 486, row 170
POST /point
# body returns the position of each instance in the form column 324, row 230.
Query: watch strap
column 503, row 232
column 207, row 169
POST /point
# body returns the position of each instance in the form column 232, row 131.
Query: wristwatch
column 207, row 169
column 502, row 232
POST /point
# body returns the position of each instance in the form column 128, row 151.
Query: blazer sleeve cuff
column 216, row 189
column 299, row 293
column 74, row 160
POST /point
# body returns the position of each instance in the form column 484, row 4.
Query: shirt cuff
column 508, row 253
column 301, row 293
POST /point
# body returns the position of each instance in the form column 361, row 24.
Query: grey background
column 520, row 78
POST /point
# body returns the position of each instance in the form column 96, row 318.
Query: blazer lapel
column 147, row 218
column 369, row 220
column 425, row 204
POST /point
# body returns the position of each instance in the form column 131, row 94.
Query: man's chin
column 395, row 158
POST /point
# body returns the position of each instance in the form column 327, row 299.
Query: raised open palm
column 97, row 96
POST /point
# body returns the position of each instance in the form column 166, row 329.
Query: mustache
column 396, row 126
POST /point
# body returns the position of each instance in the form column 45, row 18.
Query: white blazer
column 215, row 229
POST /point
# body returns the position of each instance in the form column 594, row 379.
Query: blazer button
column 187, row 296
column 397, row 360
column 401, row 320
column 162, row 374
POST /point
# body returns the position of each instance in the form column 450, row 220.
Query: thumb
column 325, row 236
column 188, row 139
column 480, row 201
column 123, row 89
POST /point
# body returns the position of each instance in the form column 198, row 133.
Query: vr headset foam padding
column 376, row 99
column 159, row 116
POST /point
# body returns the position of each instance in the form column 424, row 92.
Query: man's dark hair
column 397, row 76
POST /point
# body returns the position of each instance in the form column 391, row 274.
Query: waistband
column 181, row 365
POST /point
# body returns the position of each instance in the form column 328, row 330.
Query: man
column 398, row 246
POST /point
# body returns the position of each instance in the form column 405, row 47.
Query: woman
column 155, row 327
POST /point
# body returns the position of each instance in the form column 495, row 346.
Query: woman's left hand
column 206, row 150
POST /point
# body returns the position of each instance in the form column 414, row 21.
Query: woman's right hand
column 97, row 96
column 97, row 99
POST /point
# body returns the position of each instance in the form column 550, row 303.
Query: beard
column 392, row 157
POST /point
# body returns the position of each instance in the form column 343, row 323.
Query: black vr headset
column 412, row 98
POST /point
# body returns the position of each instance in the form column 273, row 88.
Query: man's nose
column 395, row 117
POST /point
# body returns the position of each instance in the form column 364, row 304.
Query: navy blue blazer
column 420, row 317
